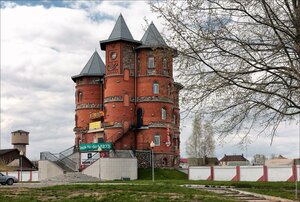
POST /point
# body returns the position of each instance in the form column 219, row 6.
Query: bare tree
column 238, row 60
column 201, row 142
column 259, row 159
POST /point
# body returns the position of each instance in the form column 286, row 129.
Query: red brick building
column 132, row 99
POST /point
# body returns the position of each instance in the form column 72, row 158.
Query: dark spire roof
column 152, row 38
column 119, row 32
column 94, row 67
column 20, row 131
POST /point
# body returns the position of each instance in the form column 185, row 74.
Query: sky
column 44, row 43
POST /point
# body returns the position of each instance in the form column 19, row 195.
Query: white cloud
column 41, row 48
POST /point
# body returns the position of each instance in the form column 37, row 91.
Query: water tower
column 20, row 139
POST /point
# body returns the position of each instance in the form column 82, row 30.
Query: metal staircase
column 62, row 159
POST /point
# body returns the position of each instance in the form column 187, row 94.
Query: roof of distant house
column 233, row 158
column 183, row 160
column 5, row 151
column 280, row 157
column 11, row 155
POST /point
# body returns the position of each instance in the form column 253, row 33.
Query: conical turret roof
column 152, row 38
column 119, row 32
column 94, row 67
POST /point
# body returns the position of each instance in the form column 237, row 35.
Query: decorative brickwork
column 89, row 106
column 113, row 99
column 154, row 99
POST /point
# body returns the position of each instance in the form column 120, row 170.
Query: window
column 163, row 114
column 155, row 88
column 76, row 120
column 168, row 89
column 174, row 119
column 151, row 62
column 139, row 66
column 165, row 63
column 139, row 114
column 157, row 140
column 79, row 96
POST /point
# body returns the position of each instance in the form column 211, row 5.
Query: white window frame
column 163, row 113
column 155, row 88
column 156, row 140
column 151, row 62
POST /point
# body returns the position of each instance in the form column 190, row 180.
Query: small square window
column 151, row 62
column 157, row 140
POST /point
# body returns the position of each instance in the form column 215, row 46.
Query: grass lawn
column 279, row 189
column 165, row 188
column 95, row 192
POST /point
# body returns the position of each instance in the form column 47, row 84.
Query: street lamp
column 152, row 145
column 21, row 154
column 99, row 150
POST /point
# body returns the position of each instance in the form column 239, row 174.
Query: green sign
column 94, row 146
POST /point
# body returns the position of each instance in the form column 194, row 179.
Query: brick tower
column 157, row 110
column 119, row 91
column 137, row 93
column 89, row 99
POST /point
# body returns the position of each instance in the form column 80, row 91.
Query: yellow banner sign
column 95, row 125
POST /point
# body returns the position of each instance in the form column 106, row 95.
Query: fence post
column 30, row 176
column 238, row 173
column 212, row 173
column 266, row 178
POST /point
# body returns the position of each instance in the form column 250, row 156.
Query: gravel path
column 231, row 192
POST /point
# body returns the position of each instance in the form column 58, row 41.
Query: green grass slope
column 161, row 174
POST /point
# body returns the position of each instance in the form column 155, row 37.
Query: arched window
column 169, row 89
column 165, row 63
column 174, row 118
column 139, row 114
column 76, row 120
column 79, row 96
column 163, row 114
column 151, row 63
column 155, row 88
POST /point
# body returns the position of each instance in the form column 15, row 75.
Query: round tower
column 119, row 92
column 89, row 101
column 19, row 139
column 157, row 110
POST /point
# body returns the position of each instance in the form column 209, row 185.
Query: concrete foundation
column 113, row 169
column 48, row 169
